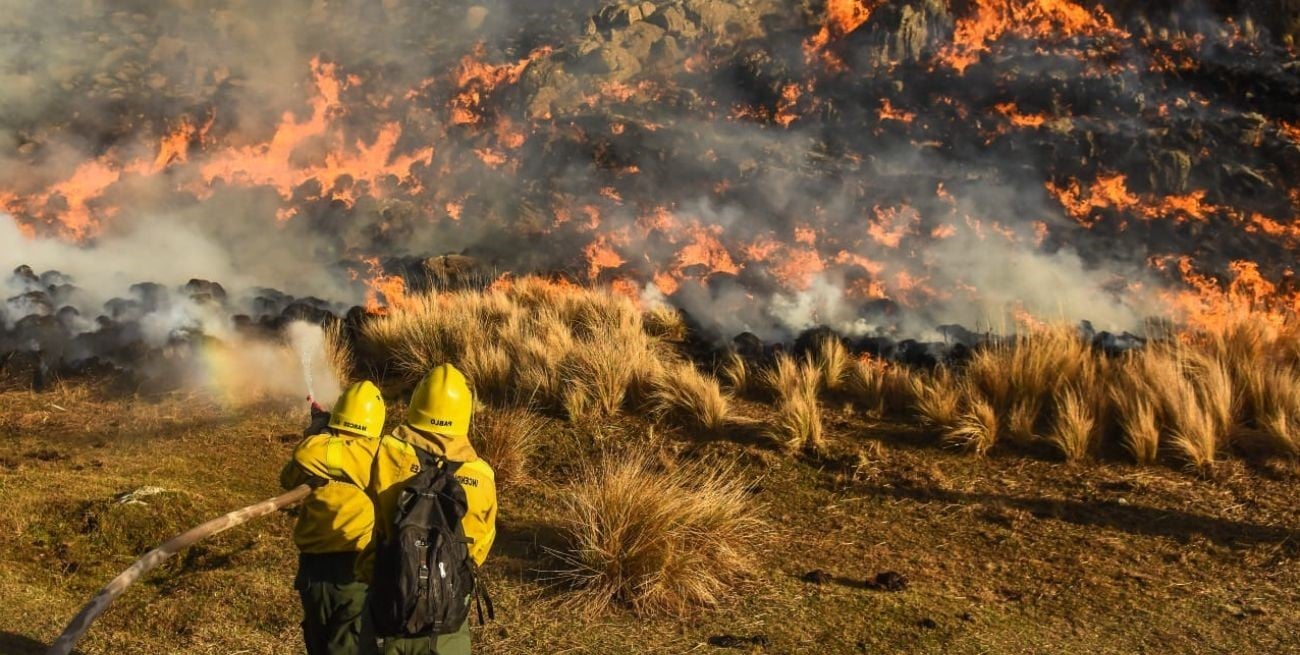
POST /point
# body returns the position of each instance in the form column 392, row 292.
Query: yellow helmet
column 360, row 409
column 442, row 403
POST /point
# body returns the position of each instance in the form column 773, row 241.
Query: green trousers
column 335, row 617
column 456, row 643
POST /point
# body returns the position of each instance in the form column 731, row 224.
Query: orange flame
column 887, row 112
column 1018, row 119
column 842, row 18
column 272, row 164
column 476, row 79
column 992, row 19
column 383, row 291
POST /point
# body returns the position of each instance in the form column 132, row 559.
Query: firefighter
column 437, row 421
column 336, row 521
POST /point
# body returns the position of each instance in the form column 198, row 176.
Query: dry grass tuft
column 1074, row 430
column 1022, row 420
column 532, row 342
column 659, row 543
column 338, row 351
column 975, row 428
column 692, row 397
column 936, row 399
column 834, row 363
column 735, row 372
column 507, row 438
column 866, row 383
column 1138, row 421
column 798, row 422
column 666, row 323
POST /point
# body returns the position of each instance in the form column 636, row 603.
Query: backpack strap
column 481, row 597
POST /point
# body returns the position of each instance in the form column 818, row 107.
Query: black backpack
column 424, row 578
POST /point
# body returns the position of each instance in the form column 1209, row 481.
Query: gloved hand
column 319, row 419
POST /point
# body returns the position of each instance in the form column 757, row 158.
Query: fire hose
column 81, row 622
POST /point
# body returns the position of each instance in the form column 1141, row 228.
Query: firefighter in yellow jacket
column 336, row 522
column 437, row 421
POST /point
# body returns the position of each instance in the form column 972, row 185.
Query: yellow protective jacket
column 337, row 517
column 397, row 462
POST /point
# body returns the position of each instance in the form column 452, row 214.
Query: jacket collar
column 456, row 449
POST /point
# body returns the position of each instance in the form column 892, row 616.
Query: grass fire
column 671, row 326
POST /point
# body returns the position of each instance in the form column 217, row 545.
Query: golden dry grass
column 507, row 438
column 1022, row 420
column 532, row 342
column 833, row 362
column 681, row 392
column 657, row 542
column 866, row 384
column 665, row 323
column 338, row 351
column 975, row 428
column 936, row 399
column 795, row 387
column 735, row 371
column 588, row 353
column 1074, row 428
column 1137, row 419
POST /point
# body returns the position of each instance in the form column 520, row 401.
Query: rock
column 201, row 290
column 137, row 496
column 735, row 641
column 902, row 32
column 888, row 581
column 613, row 63
column 713, row 16
column 640, row 38
column 673, row 20
column 453, row 272
column 622, row 15
column 816, row 576
column 1170, row 170
column 927, row 623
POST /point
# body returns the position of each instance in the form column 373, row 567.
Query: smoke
column 245, row 369
column 308, row 341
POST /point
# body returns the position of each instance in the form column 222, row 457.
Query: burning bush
column 659, row 542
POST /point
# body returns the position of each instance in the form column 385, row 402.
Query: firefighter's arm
column 292, row 475
column 486, row 532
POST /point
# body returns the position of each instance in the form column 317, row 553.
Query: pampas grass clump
column 657, row 542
